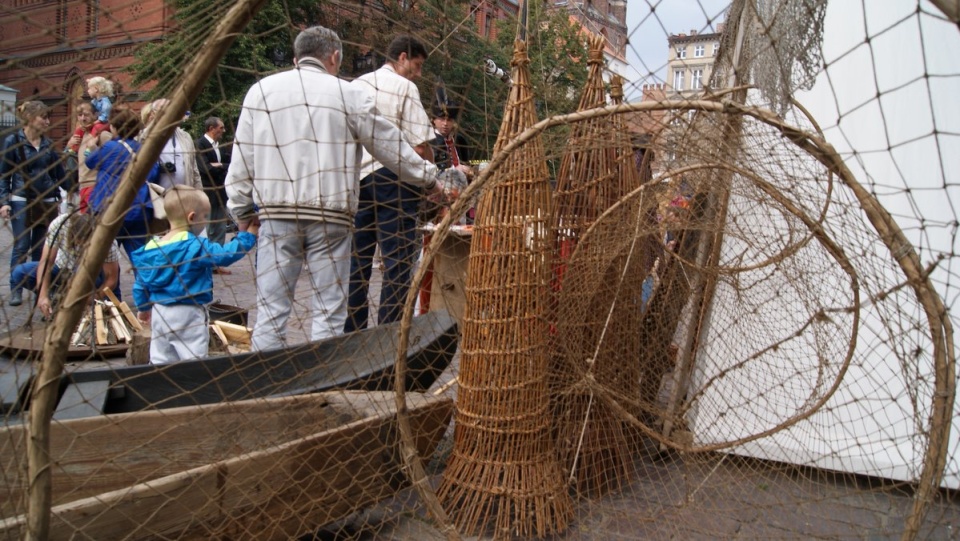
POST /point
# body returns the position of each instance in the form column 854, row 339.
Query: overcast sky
column 650, row 22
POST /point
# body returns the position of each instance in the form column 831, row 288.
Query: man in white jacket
column 387, row 213
column 297, row 158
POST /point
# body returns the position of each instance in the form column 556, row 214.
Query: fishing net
column 706, row 295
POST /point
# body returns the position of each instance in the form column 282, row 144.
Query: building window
column 681, row 52
column 678, row 80
column 698, row 51
column 696, row 82
column 716, row 48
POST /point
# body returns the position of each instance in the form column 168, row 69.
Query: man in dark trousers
column 388, row 207
column 213, row 162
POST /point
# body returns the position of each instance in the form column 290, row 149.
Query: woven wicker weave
column 597, row 298
column 504, row 469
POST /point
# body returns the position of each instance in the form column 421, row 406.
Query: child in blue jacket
column 174, row 279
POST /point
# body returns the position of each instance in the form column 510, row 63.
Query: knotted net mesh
column 701, row 288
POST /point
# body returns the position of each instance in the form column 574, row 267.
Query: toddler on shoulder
column 100, row 90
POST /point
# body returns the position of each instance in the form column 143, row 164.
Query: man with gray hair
column 297, row 159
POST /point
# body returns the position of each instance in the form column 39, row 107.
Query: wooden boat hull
column 206, row 471
column 357, row 361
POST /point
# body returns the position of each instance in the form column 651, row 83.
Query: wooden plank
column 308, row 482
column 84, row 399
column 78, row 334
column 119, row 329
column 219, row 332
column 101, row 334
column 235, row 333
column 122, row 306
column 163, row 441
column 450, row 266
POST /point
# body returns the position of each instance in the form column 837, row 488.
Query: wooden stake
column 101, row 334
column 127, row 313
column 139, row 351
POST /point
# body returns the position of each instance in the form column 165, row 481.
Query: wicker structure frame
column 504, row 469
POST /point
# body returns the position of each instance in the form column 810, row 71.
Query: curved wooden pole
column 47, row 381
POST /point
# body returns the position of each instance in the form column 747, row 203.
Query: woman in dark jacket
column 31, row 175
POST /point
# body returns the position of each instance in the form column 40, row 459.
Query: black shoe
column 16, row 297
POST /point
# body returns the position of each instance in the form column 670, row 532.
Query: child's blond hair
column 103, row 84
column 181, row 200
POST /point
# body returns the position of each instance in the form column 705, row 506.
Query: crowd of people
column 323, row 173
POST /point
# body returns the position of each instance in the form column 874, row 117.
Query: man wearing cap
column 449, row 146
column 387, row 213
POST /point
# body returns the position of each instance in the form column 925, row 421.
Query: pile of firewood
column 110, row 322
column 229, row 338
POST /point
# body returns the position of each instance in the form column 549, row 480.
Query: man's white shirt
column 397, row 99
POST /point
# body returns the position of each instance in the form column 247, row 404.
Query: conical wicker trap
column 597, row 283
column 504, row 469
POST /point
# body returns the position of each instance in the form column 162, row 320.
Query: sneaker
column 16, row 297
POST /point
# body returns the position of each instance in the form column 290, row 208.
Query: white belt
column 24, row 199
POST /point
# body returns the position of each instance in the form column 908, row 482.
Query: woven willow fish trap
column 596, row 298
column 504, row 470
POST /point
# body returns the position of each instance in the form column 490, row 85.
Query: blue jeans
column 29, row 223
column 387, row 215
column 25, row 274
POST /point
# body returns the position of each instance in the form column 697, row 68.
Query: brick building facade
column 51, row 47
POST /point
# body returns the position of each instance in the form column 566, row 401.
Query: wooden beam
column 131, row 318
column 101, row 334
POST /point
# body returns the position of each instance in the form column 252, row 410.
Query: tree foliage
column 448, row 28
column 558, row 65
column 558, row 55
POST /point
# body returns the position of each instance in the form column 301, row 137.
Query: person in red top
column 450, row 151
column 449, row 147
